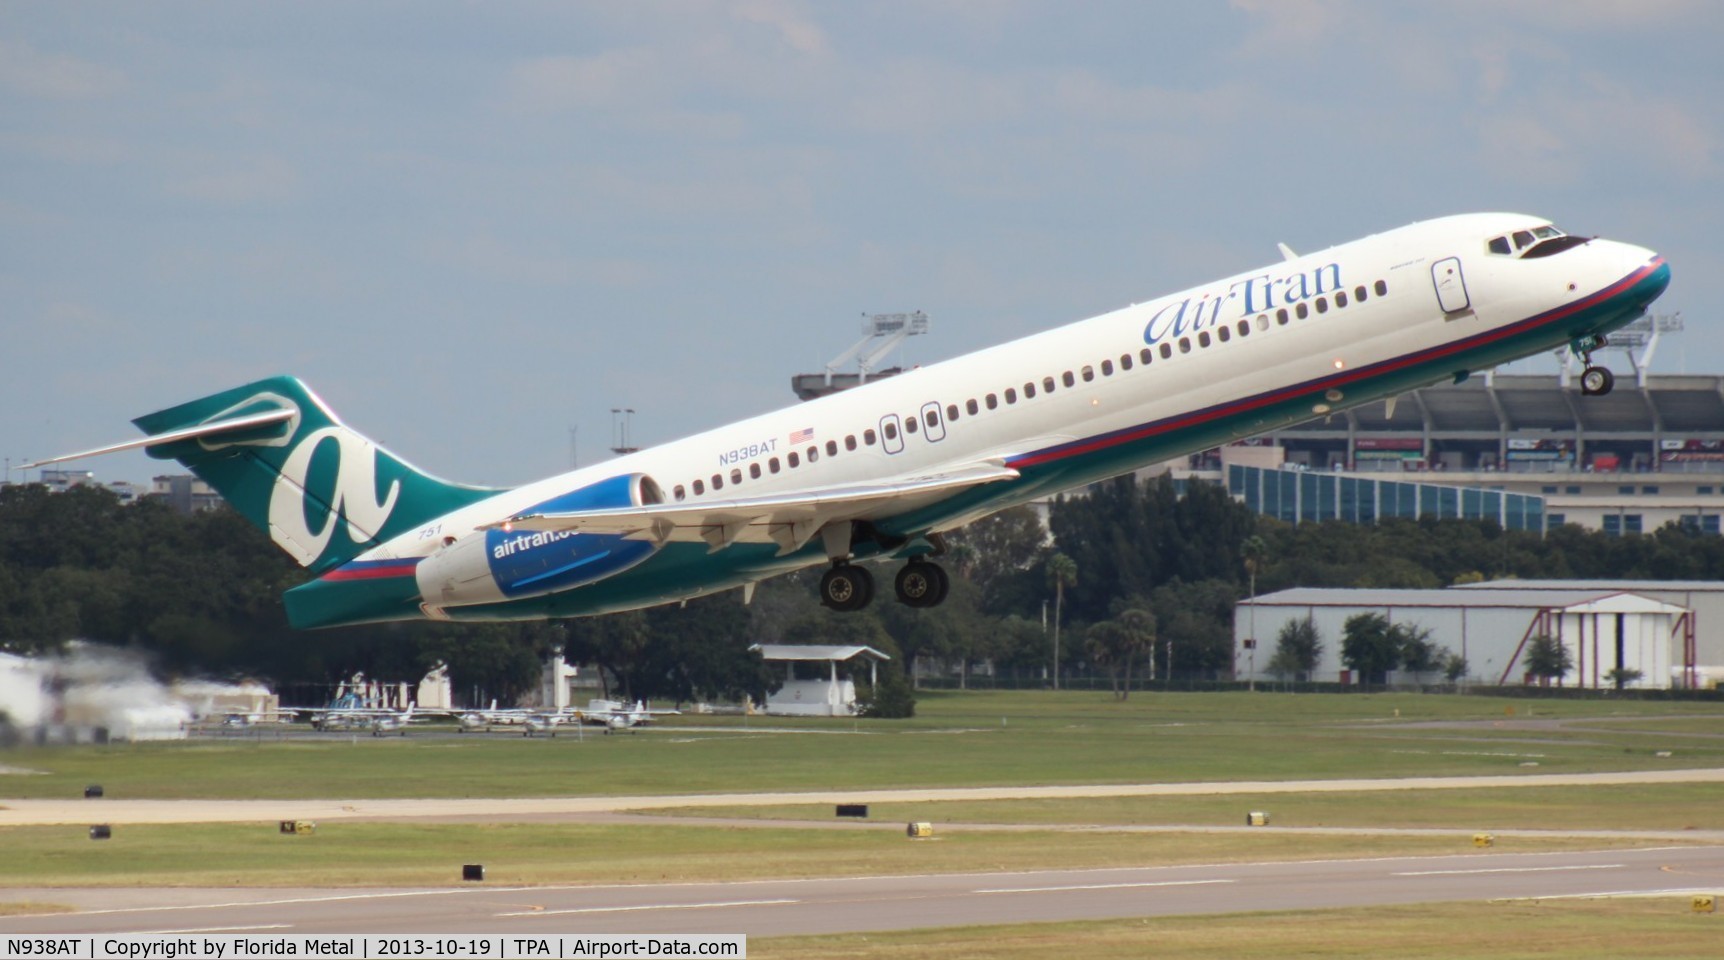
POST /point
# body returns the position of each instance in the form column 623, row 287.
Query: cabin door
column 1451, row 286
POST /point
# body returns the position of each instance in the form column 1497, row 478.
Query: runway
column 118, row 810
column 859, row 904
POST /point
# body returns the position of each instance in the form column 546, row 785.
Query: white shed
column 806, row 694
column 1602, row 629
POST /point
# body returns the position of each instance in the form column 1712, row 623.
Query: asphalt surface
column 857, row 904
column 114, row 810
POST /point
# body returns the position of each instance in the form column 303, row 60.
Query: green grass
column 1662, row 927
column 1656, row 806
column 957, row 739
column 403, row 854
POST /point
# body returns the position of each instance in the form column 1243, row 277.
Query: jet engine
column 489, row 566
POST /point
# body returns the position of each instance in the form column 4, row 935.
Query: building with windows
column 1649, row 453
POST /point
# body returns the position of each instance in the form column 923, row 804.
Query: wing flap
column 787, row 519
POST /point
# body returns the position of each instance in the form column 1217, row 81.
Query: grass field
column 1671, row 806
column 1660, row 927
column 415, row 854
column 957, row 739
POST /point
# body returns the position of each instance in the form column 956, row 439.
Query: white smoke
column 89, row 692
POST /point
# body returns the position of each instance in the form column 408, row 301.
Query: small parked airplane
column 882, row 471
column 617, row 715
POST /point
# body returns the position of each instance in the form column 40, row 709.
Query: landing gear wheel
column 921, row 584
column 846, row 587
column 1596, row 381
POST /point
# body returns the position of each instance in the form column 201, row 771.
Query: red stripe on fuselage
column 1339, row 379
column 373, row 571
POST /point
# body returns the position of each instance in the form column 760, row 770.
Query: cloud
column 50, row 76
column 791, row 22
column 264, row 179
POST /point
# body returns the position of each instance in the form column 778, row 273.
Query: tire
column 1596, row 381
column 921, row 584
column 846, row 587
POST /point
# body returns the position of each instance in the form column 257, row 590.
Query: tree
column 1369, row 647
column 1419, row 653
column 1548, row 659
column 1620, row 677
column 1454, row 667
column 1062, row 573
column 1117, row 643
column 1297, row 648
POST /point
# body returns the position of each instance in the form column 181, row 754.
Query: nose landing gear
column 1594, row 381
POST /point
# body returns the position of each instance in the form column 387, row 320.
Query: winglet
column 1286, row 252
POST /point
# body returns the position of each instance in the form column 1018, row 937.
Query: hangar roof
column 1454, row 599
column 810, row 651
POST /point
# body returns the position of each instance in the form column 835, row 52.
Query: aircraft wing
column 789, row 519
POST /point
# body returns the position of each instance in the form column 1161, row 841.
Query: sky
column 475, row 228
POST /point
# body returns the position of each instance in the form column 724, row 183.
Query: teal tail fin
column 322, row 492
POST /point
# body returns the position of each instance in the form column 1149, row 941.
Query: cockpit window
column 1556, row 244
column 1538, row 242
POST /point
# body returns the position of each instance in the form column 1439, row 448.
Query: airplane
column 880, row 472
column 545, row 721
column 379, row 720
column 485, row 719
column 617, row 715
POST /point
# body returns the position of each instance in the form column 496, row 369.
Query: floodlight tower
column 621, row 418
column 881, row 334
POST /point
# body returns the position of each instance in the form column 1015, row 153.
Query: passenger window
column 717, row 482
column 754, row 471
column 1301, row 311
column 1340, row 298
column 772, row 465
column 970, row 405
column 951, row 411
column 1281, row 316
column 850, row 442
column 991, row 401
column 1048, row 384
column 1029, row 390
column 812, row 454
column 1067, row 379
column 868, row 437
column 1166, row 351
column 1125, row 361
column 795, row 460
column 1088, row 373
column 891, row 429
column 1011, row 395
column 1184, row 344
column 932, row 418
column 699, row 488
column 1359, row 294
column 1244, row 328
column 1500, row 245
column 1146, row 356
column 1203, row 339
column 1106, row 368
column 832, row 448
column 1224, row 333
column 1381, row 288
column 910, row 423
column 1262, row 322
column 1322, row 304
column 736, row 475
column 679, row 492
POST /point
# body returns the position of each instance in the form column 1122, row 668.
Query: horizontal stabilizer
column 188, row 433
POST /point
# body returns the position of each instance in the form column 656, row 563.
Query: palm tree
column 1254, row 551
column 1062, row 573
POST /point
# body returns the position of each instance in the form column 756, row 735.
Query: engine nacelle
column 490, row 566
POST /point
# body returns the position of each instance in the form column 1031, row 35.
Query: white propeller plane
column 880, row 472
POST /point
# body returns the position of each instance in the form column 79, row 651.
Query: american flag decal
column 802, row 436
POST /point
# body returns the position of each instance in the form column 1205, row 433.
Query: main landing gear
column 1594, row 381
column 848, row 587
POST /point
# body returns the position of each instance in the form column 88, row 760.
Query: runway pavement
column 116, row 810
column 782, row 907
